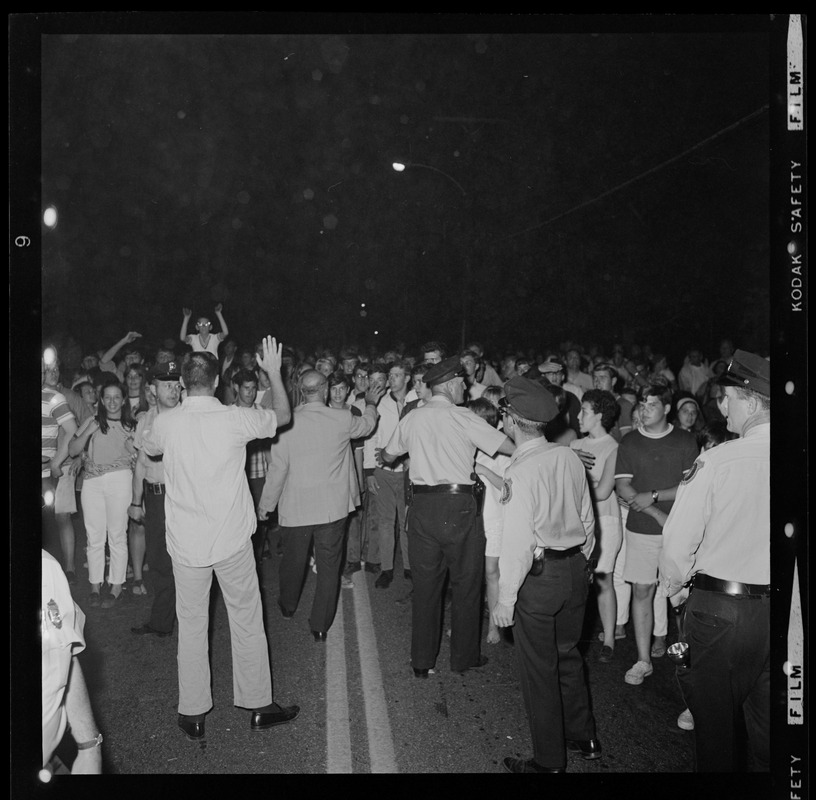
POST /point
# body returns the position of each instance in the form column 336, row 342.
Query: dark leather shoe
column 406, row 573
column 372, row 568
column 193, row 729
column 384, row 579
column 589, row 749
column 319, row 636
column 146, row 630
column 527, row 766
column 421, row 673
column 482, row 661
column 261, row 720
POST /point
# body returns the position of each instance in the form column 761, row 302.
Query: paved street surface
column 362, row 710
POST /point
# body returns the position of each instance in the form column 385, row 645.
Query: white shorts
column 642, row 556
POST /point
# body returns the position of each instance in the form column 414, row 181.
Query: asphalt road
column 362, row 710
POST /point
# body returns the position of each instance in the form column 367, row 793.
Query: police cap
column 749, row 371
column 167, row 371
column 444, row 371
column 530, row 399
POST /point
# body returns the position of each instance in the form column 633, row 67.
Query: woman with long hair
column 106, row 442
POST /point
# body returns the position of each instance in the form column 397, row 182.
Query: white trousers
column 105, row 500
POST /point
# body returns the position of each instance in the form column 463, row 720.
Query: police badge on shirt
column 507, row 491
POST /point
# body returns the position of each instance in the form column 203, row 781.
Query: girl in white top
column 598, row 450
column 204, row 339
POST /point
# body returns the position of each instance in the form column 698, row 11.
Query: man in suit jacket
column 312, row 482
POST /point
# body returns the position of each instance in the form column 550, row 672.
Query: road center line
column 338, row 734
column 380, row 741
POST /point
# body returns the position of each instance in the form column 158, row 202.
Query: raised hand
column 188, row 312
column 133, row 335
column 271, row 358
column 218, row 308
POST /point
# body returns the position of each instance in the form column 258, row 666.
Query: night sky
column 599, row 186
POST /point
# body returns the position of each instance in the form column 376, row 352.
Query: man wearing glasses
column 651, row 462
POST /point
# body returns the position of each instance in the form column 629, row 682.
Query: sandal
column 112, row 600
column 138, row 587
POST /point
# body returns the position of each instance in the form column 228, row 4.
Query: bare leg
column 492, row 578
column 607, row 606
column 643, row 618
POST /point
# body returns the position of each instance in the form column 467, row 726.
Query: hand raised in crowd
column 270, row 362
column 132, row 336
column 219, row 308
column 373, row 394
column 188, row 312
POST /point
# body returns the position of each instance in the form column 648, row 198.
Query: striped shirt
column 55, row 413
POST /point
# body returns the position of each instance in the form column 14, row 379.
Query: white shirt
column 720, row 522
column 209, row 510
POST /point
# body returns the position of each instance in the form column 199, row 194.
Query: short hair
column 404, row 365
column 603, row 403
column 493, row 394
column 199, row 370
column 659, row 390
column 242, row 376
column 486, row 410
column 763, row 400
column 713, row 434
column 418, row 371
column 429, row 347
column 337, row 378
column 378, row 366
column 362, row 366
column 472, row 353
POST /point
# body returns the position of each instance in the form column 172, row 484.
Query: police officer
column 548, row 533
column 718, row 537
column 441, row 438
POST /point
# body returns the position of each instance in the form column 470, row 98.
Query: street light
column 399, row 166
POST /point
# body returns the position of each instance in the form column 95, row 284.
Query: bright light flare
column 50, row 217
column 398, row 166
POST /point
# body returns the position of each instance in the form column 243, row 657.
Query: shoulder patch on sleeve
column 507, row 491
column 695, row 468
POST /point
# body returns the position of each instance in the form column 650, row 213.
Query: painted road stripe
column 380, row 741
column 338, row 734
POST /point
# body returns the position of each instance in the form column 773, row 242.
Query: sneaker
column 641, row 670
column 606, row 654
column 659, row 647
column 346, row 582
column 384, row 579
column 686, row 721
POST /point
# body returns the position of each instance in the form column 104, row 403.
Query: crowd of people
column 508, row 486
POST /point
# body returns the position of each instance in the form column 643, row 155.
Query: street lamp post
column 399, row 166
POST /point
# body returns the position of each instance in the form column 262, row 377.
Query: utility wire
column 642, row 175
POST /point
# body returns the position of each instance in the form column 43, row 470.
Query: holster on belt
column 478, row 493
column 409, row 492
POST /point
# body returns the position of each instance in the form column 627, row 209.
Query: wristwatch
column 95, row 742
column 654, row 495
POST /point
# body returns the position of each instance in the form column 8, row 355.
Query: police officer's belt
column 550, row 553
column 443, row 488
column 154, row 488
column 710, row 584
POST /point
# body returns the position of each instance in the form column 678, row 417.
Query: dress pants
column 251, row 674
column 163, row 612
column 549, row 618
column 443, row 537
column 357, row 540
column 328, row 539
column 388, row 507
column 729, row 640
